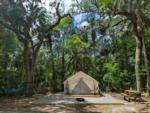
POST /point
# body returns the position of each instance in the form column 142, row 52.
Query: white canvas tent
column 81, row 83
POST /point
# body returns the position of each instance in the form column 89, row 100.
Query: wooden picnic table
column 132, row 95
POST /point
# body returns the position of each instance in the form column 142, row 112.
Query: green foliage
column 43, row 69
column 10, row 62
column 114, row 76
column 76, row 44
column 106, row 3
column 8, row 49
column 116, row 79
column 65, row 21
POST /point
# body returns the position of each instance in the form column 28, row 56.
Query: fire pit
column 80, row 99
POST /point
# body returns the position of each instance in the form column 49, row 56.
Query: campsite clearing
column 60, row 98
column 28, row 105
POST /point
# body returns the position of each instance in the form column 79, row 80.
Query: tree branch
column 7, row 26
column 146, row 20
column 59, row 18
column 119, row 22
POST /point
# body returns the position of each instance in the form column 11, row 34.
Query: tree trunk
column 138, row 53
column 54, row 76
column 140, row 35
column 29, row 66
column 77, row 62
column 137, row 64
column 147, row 66
column 63, row 70
column 141, row 32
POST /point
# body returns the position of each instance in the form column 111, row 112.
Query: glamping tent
column 81, row 83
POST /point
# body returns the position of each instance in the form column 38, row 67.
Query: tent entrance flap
column 81, row 88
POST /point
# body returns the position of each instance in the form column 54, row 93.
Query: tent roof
column 78, row 76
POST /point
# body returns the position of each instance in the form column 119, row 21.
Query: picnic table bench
column 132, row 95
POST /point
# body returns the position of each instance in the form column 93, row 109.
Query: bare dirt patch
column 25, row 105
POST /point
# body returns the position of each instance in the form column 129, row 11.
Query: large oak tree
column 32, row 26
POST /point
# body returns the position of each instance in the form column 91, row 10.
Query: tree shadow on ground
column 146, row 109
column 74, row 109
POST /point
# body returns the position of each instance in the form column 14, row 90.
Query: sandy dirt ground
column 25, row 105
